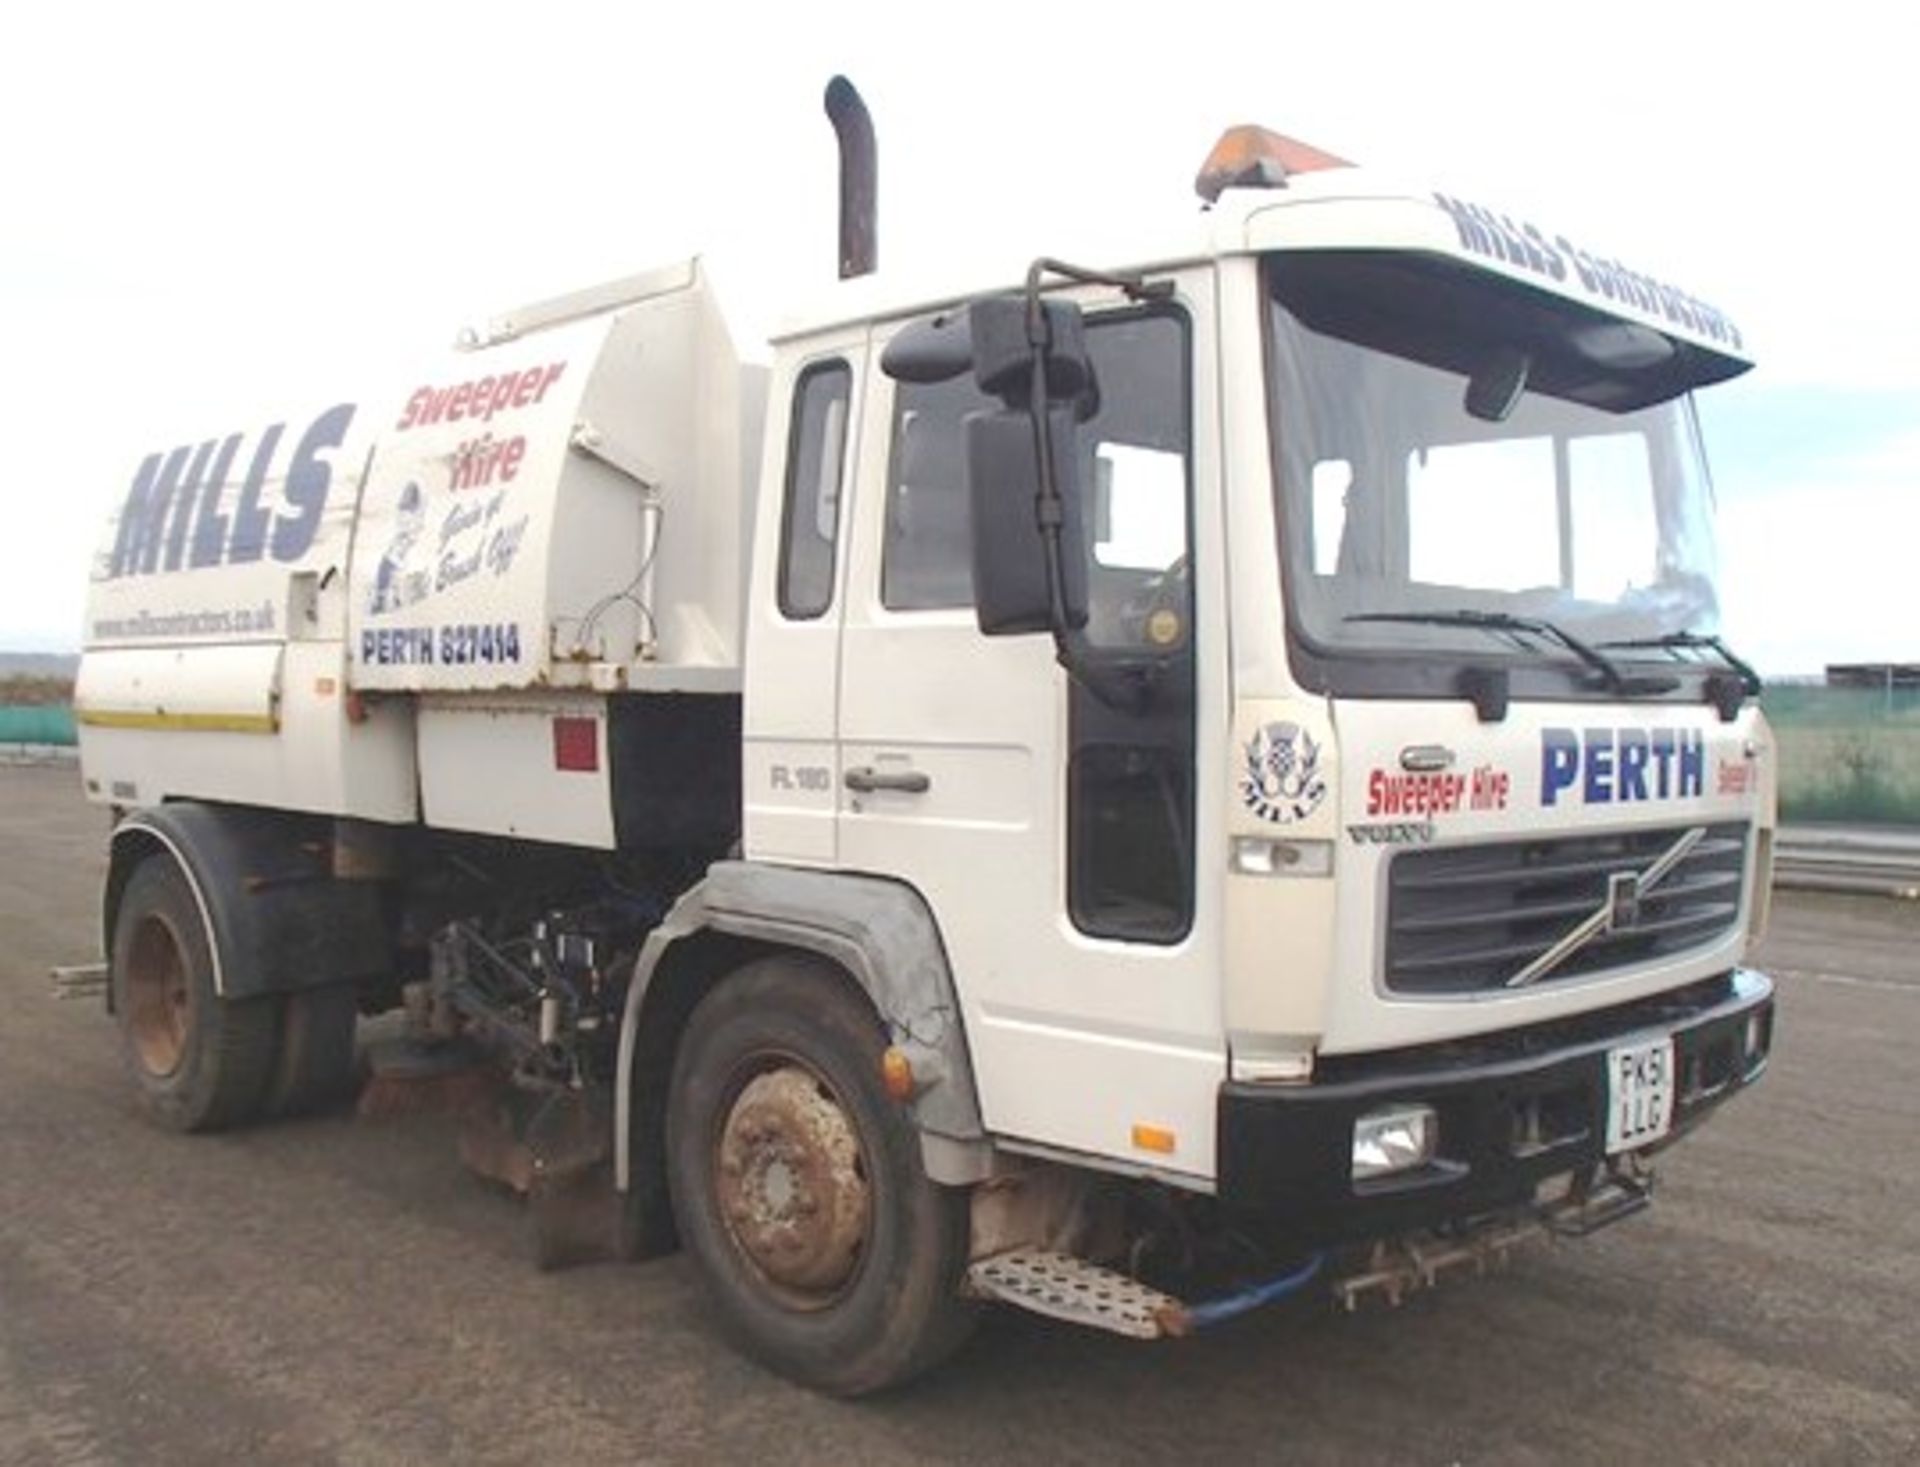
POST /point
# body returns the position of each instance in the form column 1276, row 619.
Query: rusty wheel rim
column 792, row 1182
column 157, row 996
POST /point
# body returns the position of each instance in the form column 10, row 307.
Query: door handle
column 907, row 781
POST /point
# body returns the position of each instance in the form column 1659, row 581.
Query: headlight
column 1393, row 1139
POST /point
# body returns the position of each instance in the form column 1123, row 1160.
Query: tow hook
column 1588, row 1206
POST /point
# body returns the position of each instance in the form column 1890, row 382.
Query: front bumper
column 1515, row 1109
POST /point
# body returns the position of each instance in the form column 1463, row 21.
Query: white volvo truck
column 1122, row 791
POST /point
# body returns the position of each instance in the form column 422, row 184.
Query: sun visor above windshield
column 1486, row 239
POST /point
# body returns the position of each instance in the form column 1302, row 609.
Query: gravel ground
column 342, row 1291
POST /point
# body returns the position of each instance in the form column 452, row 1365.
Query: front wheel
column 200, row 1062
column 798, row 1188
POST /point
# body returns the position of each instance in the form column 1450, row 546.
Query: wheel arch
column 879, row 933
column 276, row 920
column 134, row 841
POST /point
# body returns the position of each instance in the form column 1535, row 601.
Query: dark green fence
column 36, row 724
column 1847, row 754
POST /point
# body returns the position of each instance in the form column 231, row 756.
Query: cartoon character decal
column 398, row 583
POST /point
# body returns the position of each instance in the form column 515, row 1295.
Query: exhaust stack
column 859, row 178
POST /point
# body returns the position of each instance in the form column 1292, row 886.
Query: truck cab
column 1379, row 819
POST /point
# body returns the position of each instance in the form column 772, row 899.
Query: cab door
column 1056, row 836
column 790, row 760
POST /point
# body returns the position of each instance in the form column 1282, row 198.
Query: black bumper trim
column 1514, row 1110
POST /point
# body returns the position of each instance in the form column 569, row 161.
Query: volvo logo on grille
column 1623, row 899
column 1619, row 912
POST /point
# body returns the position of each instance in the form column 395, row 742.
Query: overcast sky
column 219, row 214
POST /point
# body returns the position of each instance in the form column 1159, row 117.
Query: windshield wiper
column 1501, row 621
column 1749, row 679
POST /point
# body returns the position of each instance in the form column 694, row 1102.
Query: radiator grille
column 1461, row 919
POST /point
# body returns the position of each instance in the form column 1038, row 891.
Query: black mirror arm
column 1128, row 689
column 1126, row 683
column 1137, row 287
column 1070, row 646
column 1049, row 513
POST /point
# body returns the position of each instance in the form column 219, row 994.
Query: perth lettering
column 1620, row 766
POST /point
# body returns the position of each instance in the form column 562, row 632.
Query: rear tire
column 798, row 1188
column 199, row 1062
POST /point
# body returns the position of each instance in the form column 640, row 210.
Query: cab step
column 1075, row 1292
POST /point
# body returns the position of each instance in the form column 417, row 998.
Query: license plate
column 1639, row 1094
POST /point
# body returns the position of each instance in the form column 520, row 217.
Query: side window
column 816, row 456
column 1133, row 469
column 927, row 561
column 1130, row 769
column 1133, row 475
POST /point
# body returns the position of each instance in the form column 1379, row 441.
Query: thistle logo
column 1281, row 780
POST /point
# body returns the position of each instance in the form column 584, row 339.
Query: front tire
column 798, row 1189
column 199, row 1062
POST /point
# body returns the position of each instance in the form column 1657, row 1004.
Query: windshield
column 1584, row 506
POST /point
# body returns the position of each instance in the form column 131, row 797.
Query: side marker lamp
column 896, row 1073
column 1154, row 1138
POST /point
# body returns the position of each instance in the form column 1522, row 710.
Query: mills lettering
column 178, row 516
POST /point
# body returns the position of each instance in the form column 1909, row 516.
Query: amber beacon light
column 1252, row 157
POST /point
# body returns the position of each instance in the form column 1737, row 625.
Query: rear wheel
column 198, row 1061
column 798, row 1189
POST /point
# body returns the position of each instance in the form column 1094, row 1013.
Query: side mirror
column 1003, row 354
column 1023, row 478
column 1012, row 586
column 929, row 351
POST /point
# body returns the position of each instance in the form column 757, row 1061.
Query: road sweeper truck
column 1126, row 788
